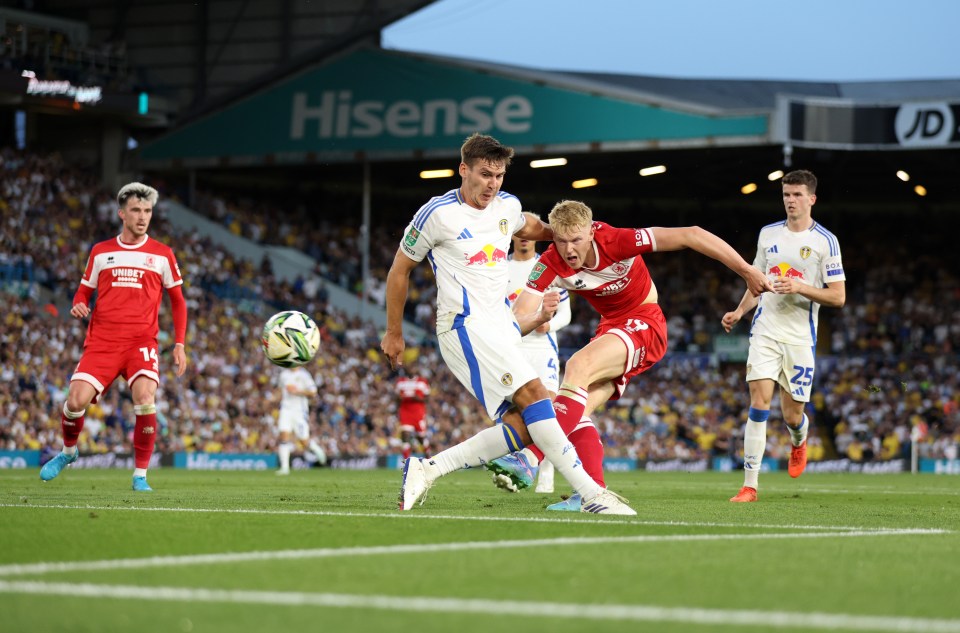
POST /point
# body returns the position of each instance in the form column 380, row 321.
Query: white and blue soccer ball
column 290, row 338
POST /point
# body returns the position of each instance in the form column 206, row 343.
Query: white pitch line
column 21, row 569
column 641, row 613
column 581, row 520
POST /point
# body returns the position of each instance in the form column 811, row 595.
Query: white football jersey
column 302, row 380
column 467, row 249
column 519, row 272
column 813, row 257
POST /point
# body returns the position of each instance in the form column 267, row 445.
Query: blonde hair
column 567, row 216
column 137, row 190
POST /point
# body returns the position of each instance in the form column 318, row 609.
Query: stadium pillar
column 365, row 239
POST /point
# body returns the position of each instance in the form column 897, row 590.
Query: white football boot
column 415, row 485
column 608, row 502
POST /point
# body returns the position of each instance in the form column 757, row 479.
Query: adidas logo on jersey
column 465, row 235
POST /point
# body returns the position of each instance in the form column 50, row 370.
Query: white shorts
column 545, row 360
column 791, row 366
column 293, row 422
column 485, row 357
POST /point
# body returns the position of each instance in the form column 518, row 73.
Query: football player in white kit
column 465, row 234
column 541, row 349
column 297, row 386
column 802, row 259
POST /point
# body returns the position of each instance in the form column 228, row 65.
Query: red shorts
column 102, row 362
column 644, row 332
column 418, row 426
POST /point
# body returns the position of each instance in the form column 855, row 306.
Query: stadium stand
column 887, row 362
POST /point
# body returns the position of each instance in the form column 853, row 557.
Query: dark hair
column 482, row 147
column 801, row 177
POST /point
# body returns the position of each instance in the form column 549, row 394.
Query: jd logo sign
column 925, row 124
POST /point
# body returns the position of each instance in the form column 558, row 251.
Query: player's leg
column 284, row 444
column 485, row 360
column 98, row 367
column 144, row 392
column 796, row 385
column 755, row 437
column 303, row 433
column 141, row 370
column 406, row 447
column 539, row 418
column 79, row 397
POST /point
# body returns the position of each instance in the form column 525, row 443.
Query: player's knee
column 529, row 393
column 76, row 402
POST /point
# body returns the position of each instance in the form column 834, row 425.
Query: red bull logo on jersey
column 512, row 297
column 489, row 255
column 785, row 270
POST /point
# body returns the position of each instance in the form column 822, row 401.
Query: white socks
column 799, row 436
column 485, row 446
column 548, row 436
column 754, row 443
column 283, row 452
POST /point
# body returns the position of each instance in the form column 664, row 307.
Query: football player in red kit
column 604, row 265
column 412, row 412
column 128, row 273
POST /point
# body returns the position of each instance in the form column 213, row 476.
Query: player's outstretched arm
column 706, row 243
column 398, row 283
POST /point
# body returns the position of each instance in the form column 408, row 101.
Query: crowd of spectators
column 891, row 363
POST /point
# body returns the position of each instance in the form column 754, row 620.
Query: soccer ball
column 290, row 338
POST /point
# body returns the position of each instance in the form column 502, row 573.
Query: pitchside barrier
column 268, row 461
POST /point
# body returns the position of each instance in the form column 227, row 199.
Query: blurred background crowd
column 887, row 362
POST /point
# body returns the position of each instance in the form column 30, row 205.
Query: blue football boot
column 140, row 484
column 570, row 504
column 512, row 472
column 53, row 467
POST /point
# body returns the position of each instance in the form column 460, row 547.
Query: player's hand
column 757, row 282
column 179, row 358
column 543, row 329
column 730, row 319
column 392, row 346
column 549, row 306
column 785, row 285
column 80, row 310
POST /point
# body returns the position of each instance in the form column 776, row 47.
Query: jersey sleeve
column 91, row 272
column 832, row 266
column 420, row 235
column 627, row 243
column 760, row 260
column 309, row 384
column 540, row 278
column 171, row 272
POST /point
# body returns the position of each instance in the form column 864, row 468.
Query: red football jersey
column 617, row 284
column 413, row 392
column 129, row 279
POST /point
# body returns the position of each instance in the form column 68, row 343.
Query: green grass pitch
column 327, row 550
